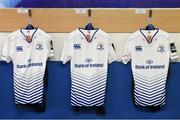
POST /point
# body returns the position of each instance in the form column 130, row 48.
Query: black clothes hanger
column 30, row 26
column 150, row 26
column 89, row 26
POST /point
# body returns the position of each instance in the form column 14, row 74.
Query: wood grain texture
column 66, row 20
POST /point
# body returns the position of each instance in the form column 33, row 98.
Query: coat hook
column 30, row 16
column 30, row 13
column 150, row 13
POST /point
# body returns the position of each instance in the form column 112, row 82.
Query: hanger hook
column 89, row 14
column 30, row 16
column 150, row 15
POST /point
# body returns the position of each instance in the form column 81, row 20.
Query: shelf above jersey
column 110, row 20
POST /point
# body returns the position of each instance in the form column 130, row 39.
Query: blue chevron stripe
column 137, row 102
column 97, row 102
column 28, row 78
column 28, row 93
column 142, row 97
column 74, row 102
column 84, row 92
column 88, row 90
column 144, row 101
column 89, row 87
column 88, row 84
column 28, row 88
column 82, row 99
column 28, row 85
column 38, row 81
column 152, row 81
column 82, row 86
column 28, row 96
column 149, row 94
column 21, row 81
column 79, row 101
column 83, row 75
column 37, row 97
column 98, row 96
column 145, row 77
column 150, row 88
column 25, row 88
column 148, row 97
column 147, row 90
column 156, row 81
column 16, row 90
column 91, row 78
column 86, row 100
column 20, row 101
column 88, row 78
column 141, row 88
column 147, row 86
column 82, row 103
column 88, row 95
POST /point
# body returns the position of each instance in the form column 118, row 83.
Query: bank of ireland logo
column 161, row 49
column 19, row 48
column 77, row 46
column 138, row 48
column 88, row 60
column 100, row 46
column 149, row 61
column 39, row 46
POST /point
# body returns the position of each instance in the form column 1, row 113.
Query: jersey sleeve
column 173, row 50
column 127, row 54
column 111, row 54
column 67, row 51
column 6, row 52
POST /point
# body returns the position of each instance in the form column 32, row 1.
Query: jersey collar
column 36, row 29
column 144, row 36
column 96, row 30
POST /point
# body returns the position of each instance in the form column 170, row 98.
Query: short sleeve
column 173, row 51
column 50, row 49
column 67, row 51
column 6, row 52
column 127, row 54
column 111, row 52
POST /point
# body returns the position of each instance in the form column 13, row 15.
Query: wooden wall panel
column 65, row 20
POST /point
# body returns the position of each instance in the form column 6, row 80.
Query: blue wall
column 91, row 3
column 100, row 3
column 118, row 98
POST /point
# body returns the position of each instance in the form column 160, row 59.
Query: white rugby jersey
column 149, row 63
column 89, row 52
column 29, row 63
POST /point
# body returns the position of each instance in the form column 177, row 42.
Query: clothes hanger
column 150, row 26
column 30, row 26
column 89, row 26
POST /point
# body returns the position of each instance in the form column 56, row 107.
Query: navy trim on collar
column 88, row 30
column 146, row 37
column 31, row 36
